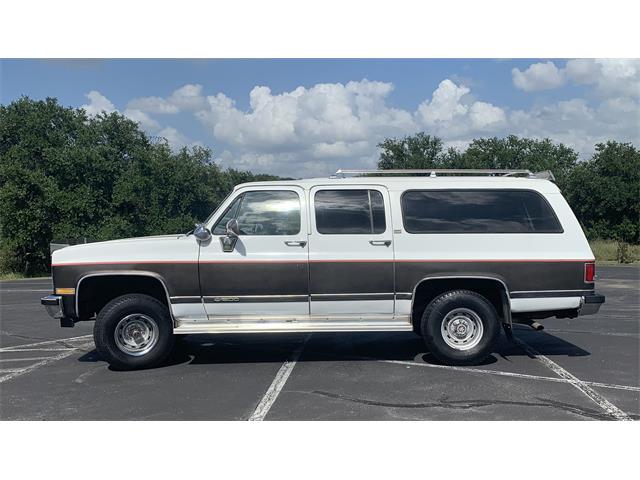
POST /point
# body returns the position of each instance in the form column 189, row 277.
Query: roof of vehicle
column 406, row 182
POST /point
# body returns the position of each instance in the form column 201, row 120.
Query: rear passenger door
column 351, row 268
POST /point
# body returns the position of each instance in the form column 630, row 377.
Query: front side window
column 341, row 212
column 221, row 226
column 264, row 212
column 477, row 211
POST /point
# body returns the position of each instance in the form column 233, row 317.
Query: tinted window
column 349, row 212
column 477, row 211
column 272, row 212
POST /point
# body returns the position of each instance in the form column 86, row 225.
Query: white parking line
column 276, row 386
column 508, row 374
column 6, row 350
column 31, row 368
column 46, row 342
column 594, row 396
column 26, row 359
column 10, row 370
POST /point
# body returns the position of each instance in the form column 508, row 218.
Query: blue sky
column 316, row 115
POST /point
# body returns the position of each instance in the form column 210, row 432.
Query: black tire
column 120, row 308
column 468, row 301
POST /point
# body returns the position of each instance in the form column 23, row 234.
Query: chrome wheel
column 462, row 329
column 136, row 334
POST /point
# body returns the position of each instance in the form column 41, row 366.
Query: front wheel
column 133, row 332
column 460, row 327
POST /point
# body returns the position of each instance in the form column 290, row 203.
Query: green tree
column 426, row 151
column 65, row 175
column 604, row 192
column 414, row 152
column 520, row 153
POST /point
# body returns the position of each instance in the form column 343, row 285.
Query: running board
column 398, row 324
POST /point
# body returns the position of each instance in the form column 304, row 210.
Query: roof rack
column 434, row 172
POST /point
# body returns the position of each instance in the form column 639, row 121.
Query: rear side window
column 477, row 211
column 341, row 212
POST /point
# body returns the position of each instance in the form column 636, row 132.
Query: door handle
column 295, row 243
column 380, row 243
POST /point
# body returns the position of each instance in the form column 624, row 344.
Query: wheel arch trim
column 128, row 273
column 505, row 297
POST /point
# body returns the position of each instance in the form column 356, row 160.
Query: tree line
column 603, row 191
column 64, row 175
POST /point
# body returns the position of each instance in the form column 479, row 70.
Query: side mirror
column 229, row 240
column 233, row 230
column 202, row 233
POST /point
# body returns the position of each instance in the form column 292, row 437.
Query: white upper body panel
column 176, row 248
column 571, row 244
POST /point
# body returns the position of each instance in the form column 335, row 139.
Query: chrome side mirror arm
column 229, row 240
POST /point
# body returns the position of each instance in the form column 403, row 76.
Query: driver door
column 266, row 275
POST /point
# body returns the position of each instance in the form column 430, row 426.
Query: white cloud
column 454, row 115
column 445, row 104
column 610, row 77
column 311, row 131
column 145, row 121
column 176, row 139
column 539, row 76
column 152, row 105
column 326, row 121
column 98, row 103
column 186, row 98
column 485, row 116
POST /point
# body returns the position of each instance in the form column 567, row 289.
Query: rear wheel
column 460, row 327
column 133, row 332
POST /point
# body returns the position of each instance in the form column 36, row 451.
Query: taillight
column 589, row 272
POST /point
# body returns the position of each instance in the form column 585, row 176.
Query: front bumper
column 590, row 304
column 55, row 308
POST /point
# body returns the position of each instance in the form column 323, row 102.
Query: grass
column 19, row 276
column 608, row 251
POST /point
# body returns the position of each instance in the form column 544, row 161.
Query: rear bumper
column 591, row 304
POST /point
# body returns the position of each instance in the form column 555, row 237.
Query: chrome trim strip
column 404, row 296
column 255, row 298
column 550, row 293
column 538, row 291
column 181, row 300
column 297, row 324
column 354, row 297
column 378, row 317
column 291, row 327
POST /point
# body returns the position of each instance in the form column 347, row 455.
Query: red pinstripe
column 154, row 262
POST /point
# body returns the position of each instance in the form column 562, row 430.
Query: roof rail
column 434, row 172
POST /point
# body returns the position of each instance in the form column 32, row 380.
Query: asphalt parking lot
column 580, row 369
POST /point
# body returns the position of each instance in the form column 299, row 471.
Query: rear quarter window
column 477, row 211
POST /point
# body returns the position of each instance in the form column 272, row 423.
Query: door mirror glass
column 202, row 233
column 233, row 230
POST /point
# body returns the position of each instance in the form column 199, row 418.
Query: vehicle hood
column 126, row 250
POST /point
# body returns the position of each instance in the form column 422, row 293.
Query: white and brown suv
column 451, row 258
